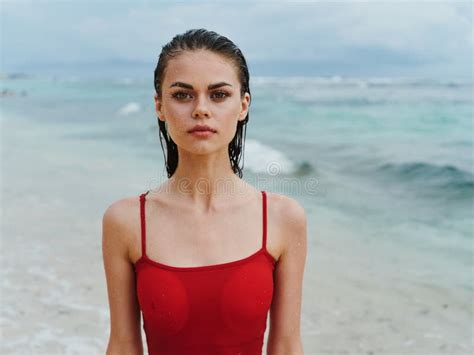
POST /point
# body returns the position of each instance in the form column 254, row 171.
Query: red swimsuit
column 216, row 309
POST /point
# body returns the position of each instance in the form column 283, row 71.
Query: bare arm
column 284, row 336
column 125, row 333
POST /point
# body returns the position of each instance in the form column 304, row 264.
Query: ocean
column 383, row 167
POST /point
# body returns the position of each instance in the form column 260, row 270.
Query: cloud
column 405, row 33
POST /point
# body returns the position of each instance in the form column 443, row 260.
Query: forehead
column 201, row 66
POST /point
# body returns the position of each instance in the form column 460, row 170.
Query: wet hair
column 195, row 39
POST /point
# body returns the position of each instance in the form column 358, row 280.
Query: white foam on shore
column 261, row 158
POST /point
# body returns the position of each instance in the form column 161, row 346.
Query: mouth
column 201, row 128
column 202, row 131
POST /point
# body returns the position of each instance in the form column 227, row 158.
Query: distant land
column 344, row 67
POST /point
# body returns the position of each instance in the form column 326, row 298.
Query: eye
column 180, row 95
column 220, row 94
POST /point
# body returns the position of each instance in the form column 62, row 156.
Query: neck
column 206, row 181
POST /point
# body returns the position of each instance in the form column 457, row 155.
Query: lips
column 202, row 128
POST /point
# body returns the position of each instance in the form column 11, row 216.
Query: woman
column 206, row 255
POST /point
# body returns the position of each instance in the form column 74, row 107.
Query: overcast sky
column 353, row 38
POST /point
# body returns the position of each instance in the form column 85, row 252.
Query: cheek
column 230, row 108
column 176, row 128
column 227, row 131
column 175, row 112
column 176, row 116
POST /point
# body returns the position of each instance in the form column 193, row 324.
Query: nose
column 201, row 110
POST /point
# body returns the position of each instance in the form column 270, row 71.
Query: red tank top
column 218, row 309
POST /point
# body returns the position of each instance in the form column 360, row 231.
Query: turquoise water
column 389, row 160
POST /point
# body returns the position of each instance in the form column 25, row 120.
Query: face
column 201, row 88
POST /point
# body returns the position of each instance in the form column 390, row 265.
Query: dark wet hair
column 195, row 39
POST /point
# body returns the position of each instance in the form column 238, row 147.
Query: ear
column 158, row 108
column 245, row 106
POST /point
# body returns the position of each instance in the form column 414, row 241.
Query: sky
column 430, row 39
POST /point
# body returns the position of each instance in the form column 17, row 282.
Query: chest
column 185, row 238
column 227, row 303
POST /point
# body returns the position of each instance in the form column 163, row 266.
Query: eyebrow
column 188, row 86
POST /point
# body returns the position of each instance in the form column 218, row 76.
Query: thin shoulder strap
column 264, row 214
column 142, row 221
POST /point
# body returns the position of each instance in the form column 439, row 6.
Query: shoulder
column 120, row 220
column 119, row 211
column 287, row 209
column 290, row 219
